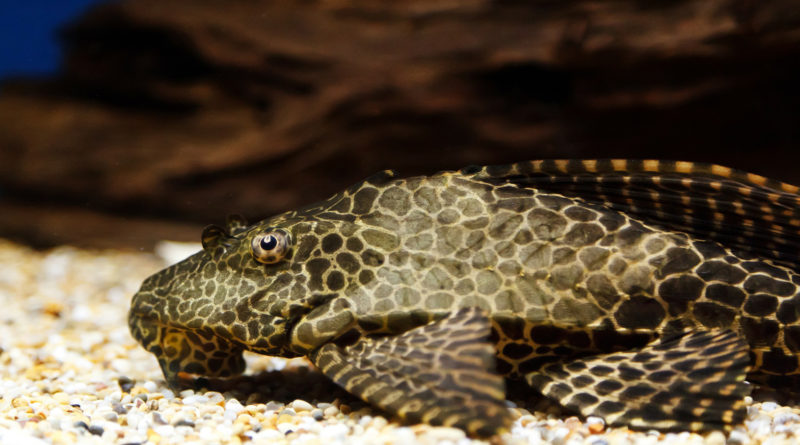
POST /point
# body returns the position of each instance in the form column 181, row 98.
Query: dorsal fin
column 743, row 211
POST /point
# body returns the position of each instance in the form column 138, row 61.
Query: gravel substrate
column 70, row 372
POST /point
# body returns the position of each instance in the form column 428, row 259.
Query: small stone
column 447, row 434
column 142, row 397
column 184, row 422
column 96, row 430
column 715, row 438
column 301, row 405
column 317, row 414
column 194, row 400
column 737, row 437
column 596, row 425
column 125, row 383
column 285, row 427
column 768, row 406
column 273, row 406
column 331, row 411
column 244, row 419
column 785, row 417
column 158, row 419
column 118, row 408
column 559, row 436
column 234, row 406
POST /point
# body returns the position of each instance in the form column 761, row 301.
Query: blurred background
column 126, row 122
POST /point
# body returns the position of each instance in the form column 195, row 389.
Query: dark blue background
column 29, row 34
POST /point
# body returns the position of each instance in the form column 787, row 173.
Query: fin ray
column 441, row 373
column 693, row 382
column 746, row 212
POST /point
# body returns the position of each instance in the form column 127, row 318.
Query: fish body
column 619, row 289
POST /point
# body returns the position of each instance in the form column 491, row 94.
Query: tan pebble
column 596, row 428
column 345, row 409
column 53, row 307
column 254, row 410
column 63, row 437
column 19, row 402
column 153, row 436
column 285, row 418
column 331, row 411
column 239, row 429
column 35, row 372
column 244, row 419
column 270, row 421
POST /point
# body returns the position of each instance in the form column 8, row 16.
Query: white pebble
column 592, row 420
column 194, row 400
column 737, row 437
column 18, row 437
column 785, row 417
column 559, row 436
column 301, row 405
column 273, row 406
column 234, row 406
column 768, row 406
column 285, row 427
column 715, row 438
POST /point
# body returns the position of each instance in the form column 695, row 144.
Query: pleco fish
column 643, row 292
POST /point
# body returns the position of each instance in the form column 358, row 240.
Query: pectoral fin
column 441, row 373
column 694, row 382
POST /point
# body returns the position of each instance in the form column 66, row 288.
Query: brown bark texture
column 170, row 115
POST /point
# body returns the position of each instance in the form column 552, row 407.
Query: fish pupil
column 269, row 242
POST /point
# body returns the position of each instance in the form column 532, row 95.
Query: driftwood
column 169, row 115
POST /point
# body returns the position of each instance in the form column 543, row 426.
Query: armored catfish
column 643, row 292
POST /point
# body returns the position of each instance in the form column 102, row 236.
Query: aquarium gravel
column 71, row 373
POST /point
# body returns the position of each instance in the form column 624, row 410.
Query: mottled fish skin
column 558, row 277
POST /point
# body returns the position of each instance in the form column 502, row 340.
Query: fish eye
column 271, row 245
